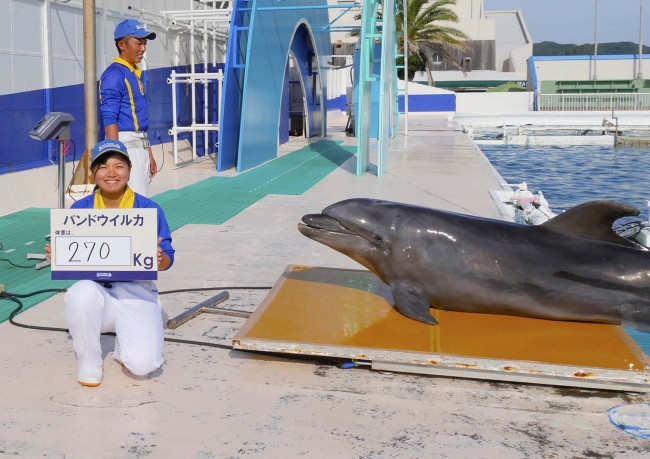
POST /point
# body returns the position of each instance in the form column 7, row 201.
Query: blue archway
column 261, row 36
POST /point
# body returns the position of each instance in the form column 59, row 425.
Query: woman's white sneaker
column 91, row 379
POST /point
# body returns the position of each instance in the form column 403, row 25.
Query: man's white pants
column 139, row 156
column 131, row 309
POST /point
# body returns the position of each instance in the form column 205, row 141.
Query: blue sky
column 572, row 21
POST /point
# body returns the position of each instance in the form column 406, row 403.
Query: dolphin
column 574, row 267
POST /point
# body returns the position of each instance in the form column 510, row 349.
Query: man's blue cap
column 108, row 146
column 133, row 28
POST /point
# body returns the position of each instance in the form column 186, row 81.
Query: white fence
column 594, row 102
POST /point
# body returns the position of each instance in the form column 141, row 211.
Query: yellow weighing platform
column 347, row 314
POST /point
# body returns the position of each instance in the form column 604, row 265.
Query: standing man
column 124, row 104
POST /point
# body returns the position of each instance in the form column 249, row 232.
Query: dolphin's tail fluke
column 411, row 303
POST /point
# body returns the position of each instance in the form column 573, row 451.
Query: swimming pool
column 569, row 176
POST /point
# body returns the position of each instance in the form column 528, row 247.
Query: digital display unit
column 50, row 126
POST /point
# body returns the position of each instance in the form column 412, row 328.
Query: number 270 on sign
column 93, row 251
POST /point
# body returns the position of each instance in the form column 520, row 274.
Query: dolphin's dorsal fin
column 594, row 220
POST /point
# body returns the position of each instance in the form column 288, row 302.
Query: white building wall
column 607, row 69
column 513, row 42
column 21, row 56
column 25, row 42
column 467, row 9
column 518, row 62
column 493, row 102
column 338, row 80
column 475, row 29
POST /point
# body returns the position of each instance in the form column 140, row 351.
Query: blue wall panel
column 19, row 112
column 269, row 41
column 233, row 85
column 338, row 103
column 429, row 103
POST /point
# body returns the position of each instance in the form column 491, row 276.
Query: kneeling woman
column 131, row 309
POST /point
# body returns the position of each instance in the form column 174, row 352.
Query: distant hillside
column 550, row 48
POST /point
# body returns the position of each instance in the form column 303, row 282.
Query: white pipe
column 178, row 13
column 143, row 11
column 214, row 44
column 222, row 36
column 596, row 41
column 214, row 64
column 205, row 85
column 47, row 45
column 192, row 66
column 174, row 127
column 640, row 73
column 406, row 69
column 191, row 80
column 198, row 127
column 198, row 76
column 219, row 86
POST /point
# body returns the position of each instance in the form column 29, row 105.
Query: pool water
column 569, row 176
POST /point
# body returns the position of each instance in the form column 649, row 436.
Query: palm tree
column 426, row 33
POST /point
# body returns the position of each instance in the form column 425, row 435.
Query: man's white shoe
column 91, row 379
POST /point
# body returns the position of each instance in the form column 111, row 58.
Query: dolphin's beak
column 322, row 222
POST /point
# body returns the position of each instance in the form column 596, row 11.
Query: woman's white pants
column 140, row 162
column 131, row 309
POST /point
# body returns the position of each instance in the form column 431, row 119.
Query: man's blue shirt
column 121, row 97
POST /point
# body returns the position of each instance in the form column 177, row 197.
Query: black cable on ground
column 74, row 168
column 18, row 266
column 14, row 264
column 14, row 297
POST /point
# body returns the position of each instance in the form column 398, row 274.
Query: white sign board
column 104, row 244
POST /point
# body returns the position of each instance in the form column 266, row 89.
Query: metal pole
column 90, row 74
column 596, row 41
column 196, row 310
column 406, row 69
column 640, row 74
column 61, row 176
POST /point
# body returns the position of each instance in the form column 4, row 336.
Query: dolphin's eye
column 378, row 239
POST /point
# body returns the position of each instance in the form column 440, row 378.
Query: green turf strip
column 210, row 202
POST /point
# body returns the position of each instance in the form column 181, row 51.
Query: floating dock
column 632, row 141
column 551, row 140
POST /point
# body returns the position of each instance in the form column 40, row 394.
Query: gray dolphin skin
column 573, row 267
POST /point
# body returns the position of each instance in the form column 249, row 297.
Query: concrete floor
column 212, row 403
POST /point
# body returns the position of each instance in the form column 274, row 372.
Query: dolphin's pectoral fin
column 411, row 303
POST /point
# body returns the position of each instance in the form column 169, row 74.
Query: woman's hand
column 163, row 258
column 48, row 252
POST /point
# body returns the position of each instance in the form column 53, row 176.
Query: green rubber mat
column 210, row 202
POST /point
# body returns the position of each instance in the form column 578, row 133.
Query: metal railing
column 594, row 102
